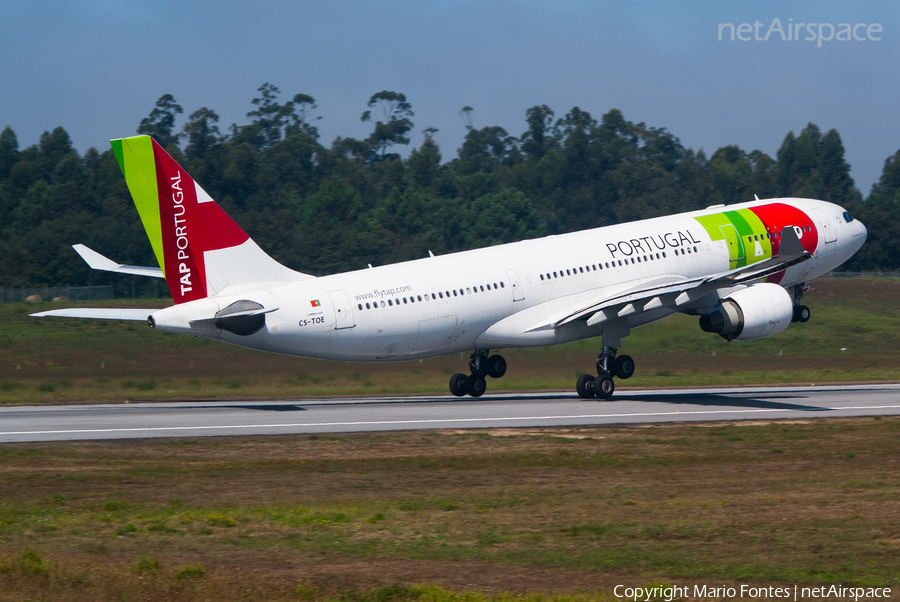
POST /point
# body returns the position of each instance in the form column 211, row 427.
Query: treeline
column 322, row 209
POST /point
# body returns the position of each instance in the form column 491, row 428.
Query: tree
column 9, row 151
column 396, row 112
column 160, row 124
column 466, row 114
column 534, row 141
column 270, row 116
column 302, row 114
column 202, row 133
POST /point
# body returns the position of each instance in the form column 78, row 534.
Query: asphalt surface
column 216, row 418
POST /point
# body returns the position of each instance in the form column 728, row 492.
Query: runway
column 385, row 413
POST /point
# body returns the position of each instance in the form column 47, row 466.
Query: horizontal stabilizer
column 99, row 262
column 97, row 313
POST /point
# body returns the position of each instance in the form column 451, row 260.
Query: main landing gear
column 801, row 312
column 609, row 365
column 480, row 365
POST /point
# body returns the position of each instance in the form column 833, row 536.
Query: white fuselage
column 496, row 297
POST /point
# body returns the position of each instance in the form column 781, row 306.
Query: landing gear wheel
column 475, row 386
column 458, row 385
column 604, row 387
column 623, row 367
column 803, row 314
column 496, row 366
column 585, row 386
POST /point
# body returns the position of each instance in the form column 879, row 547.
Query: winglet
column 96, row 261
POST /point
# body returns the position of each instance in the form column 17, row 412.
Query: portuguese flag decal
column 315, row 302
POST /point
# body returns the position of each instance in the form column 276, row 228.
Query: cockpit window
column 847, row 217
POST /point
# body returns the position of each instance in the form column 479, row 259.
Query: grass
column 854, row 336
column 519, row 510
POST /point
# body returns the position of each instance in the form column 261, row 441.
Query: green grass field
column 501, row 510
column 854, row 335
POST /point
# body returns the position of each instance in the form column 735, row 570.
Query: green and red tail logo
column 181, row 220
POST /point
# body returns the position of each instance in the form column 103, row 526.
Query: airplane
column 743, row 269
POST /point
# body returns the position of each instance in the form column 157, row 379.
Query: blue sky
column 97, row 67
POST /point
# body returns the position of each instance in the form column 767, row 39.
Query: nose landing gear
column 480, row 365
column 801, row 312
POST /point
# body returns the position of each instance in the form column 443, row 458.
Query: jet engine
column 756, row 312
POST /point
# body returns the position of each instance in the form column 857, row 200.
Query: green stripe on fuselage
column 738, row 229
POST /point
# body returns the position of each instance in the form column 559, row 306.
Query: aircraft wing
column 97, row 313
column 99, row 262
column 679, row 293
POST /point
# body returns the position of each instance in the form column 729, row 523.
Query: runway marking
column 426, row 421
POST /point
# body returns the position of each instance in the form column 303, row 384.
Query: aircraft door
column 518, row 291
column 735, row 244
column 827, row 226
column 343, row 312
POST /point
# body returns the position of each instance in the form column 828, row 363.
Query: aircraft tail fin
column 200, row 249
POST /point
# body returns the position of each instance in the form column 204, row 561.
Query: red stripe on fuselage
column 776, row 217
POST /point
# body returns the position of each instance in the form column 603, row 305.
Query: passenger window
column 468, row 290
column 390, row 302
column 360, row 306
column 382, row 304
column 542, row 276
column 495, row 286
column 482, row 288
column 440, row 294
column 433, row 296
column 420, row 297
column 404, row 301
column 454, row 292
column 367, row 306
column 568, row 273
column 554, row 274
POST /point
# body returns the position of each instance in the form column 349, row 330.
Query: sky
column 96, row 67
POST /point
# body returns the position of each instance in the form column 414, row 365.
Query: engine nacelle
column 756, row 312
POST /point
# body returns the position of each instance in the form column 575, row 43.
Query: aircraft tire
column 496, row 366
column 458, row 385
column 803, row 314
column 623, row 367
column 476, row 386
column 584, row 386
column 604, row 387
